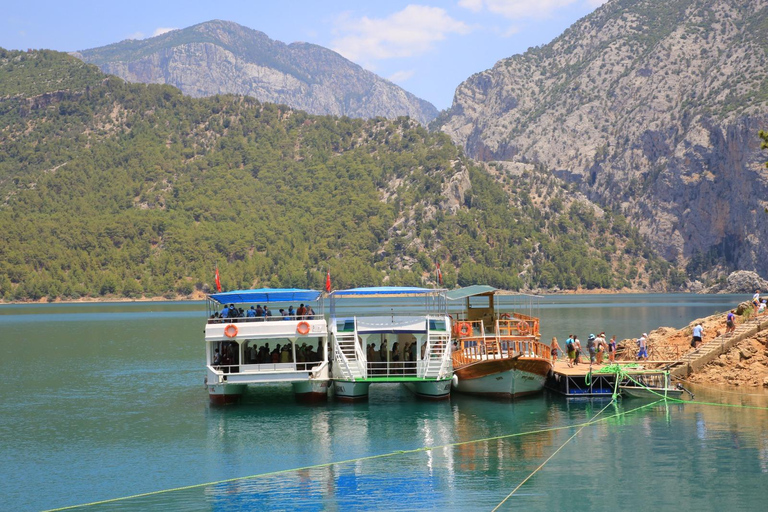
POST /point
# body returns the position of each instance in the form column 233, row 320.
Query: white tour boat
column 497, row 354
column 394, row 334
column 247, row 348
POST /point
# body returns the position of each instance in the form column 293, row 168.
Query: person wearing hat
column 642, row 342
column 591, row 348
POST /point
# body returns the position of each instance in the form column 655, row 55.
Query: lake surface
column 104, row 401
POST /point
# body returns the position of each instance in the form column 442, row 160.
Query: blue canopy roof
column 384, row 291
column 265, row 295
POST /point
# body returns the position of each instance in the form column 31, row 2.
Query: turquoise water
column 103, row 401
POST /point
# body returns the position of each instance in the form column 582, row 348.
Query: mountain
column 651, row 108
column 115, row 189
column 220, row 57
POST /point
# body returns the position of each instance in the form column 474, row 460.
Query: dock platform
column 584, row 380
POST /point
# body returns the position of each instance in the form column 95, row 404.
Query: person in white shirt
column 698, row 332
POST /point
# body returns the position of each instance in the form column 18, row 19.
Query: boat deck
column 583, row 380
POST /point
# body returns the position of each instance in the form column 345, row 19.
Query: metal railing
column 265, row 367
column 273, row 318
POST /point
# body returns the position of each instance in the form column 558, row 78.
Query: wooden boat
column 394, row 335
column 235, row 346
column 496, row 354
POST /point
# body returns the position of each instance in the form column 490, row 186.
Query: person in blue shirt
column 291, row 311
column 730, row 322
column 224, row 312
column 251, row 313
column 698, row 332
column 571, row 350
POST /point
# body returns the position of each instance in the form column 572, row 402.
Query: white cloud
column 517, row 9
column 162, row 30
column 412, row 31
column 472, row 5
column 400, row 76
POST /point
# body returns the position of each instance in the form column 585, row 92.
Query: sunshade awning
column 265, row 295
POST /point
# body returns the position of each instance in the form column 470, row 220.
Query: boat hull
column 512, row 377
column 311, row 390
column 430, row 389
column 225, row 394
column 350, row 390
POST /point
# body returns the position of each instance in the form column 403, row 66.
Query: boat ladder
column 438, row 355
column 348, row 355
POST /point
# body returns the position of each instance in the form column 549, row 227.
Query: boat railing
column 244, row 319
column 266, row 367
column 483, row 348
column 393, row 369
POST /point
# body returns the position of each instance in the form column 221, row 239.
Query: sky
column 428, row 47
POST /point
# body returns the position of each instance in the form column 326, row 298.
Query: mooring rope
column 348, row 461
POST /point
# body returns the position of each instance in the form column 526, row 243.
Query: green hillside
column 114, row 189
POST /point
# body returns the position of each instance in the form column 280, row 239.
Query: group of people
column 258, row 312
column 596, row 348
column 228, row 355
column 384, row 355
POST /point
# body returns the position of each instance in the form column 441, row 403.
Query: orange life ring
column 523, row 328
column 505, row 316
column 302, row 328
column 464, row 328
column 230, row 331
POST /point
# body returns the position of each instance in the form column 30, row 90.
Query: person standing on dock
column 612, row 349
column 600, row 342
column 591, row 348
column 554, row 349
column 571, row 350
column 698, row 332
column 576, row 350
column 642, row 342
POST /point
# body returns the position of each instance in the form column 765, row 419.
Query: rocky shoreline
column 744, row 365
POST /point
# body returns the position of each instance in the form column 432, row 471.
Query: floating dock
column 585, row 380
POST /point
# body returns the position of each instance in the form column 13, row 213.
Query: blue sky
column 428, row 47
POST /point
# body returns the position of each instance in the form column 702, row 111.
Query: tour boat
column 497, row 354
column 269, row 348
column 390, row 335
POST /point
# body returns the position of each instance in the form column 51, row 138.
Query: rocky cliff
column 224, row 57
column 650, row 107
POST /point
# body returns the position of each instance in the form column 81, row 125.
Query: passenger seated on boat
column 224, row 312
column 267, row 312
column 216, row 359
column 251, row 313
column 259, row 311
column 301, row 353
column 291, row 311
column 301, row 312
column 285, row 354
column 309, row 313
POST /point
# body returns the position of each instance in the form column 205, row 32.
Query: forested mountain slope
column 652, row 108
column 116, row 189
column 220, row 57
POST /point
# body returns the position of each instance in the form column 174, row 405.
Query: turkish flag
column 328, row 282
column 218, row 281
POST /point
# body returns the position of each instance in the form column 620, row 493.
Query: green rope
column 349, row 461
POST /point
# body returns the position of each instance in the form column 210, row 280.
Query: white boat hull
column 311, row 390
column 524, row 377
column 431, row 389
column 349, row 390
column 223, row 394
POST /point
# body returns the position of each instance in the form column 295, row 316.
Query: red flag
column 328, row 282
column 439, row 274
column 218, row 281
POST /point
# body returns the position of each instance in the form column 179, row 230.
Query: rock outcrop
column 219, row 57
column 650, row 107
column 741, row 281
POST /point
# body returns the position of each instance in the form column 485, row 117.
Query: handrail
column 482, row 348
column 338, row 352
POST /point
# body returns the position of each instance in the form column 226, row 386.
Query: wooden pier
column 584, row 380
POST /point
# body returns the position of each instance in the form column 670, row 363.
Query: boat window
column 479, row 302
column 345, row 326
column 437, row 325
